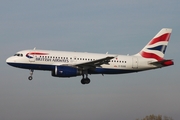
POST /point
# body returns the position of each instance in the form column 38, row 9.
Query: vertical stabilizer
column 156, row 48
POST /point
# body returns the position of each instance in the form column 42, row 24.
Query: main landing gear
column 85, row 80
column 31, row 73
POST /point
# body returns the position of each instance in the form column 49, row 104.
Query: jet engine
column 66, row 71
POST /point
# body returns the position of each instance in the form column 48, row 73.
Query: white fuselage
column 119, row 64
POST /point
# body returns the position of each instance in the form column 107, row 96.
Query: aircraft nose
column 9, row 60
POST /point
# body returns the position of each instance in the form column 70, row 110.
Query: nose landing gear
column 31, row 73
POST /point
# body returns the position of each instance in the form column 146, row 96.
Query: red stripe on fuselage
column 164, row 37
column 37, row 53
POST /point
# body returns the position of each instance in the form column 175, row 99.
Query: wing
column 94, row 63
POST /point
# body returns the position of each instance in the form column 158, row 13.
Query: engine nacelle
column 66, row 71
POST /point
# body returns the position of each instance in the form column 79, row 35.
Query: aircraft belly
column 32, row 66
column 110, row 71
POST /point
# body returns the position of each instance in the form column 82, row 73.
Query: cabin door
column 31, row 57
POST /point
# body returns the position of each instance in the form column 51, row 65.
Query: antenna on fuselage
column 34, row 48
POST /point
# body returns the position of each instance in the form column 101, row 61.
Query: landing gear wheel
column 85, row 81
column 30, row 77
column 31, row 73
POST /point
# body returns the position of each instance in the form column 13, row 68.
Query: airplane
column 72, row 64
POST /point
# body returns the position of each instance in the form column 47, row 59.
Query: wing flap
column 95, row 63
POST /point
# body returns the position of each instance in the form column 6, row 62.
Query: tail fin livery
column 156, row 48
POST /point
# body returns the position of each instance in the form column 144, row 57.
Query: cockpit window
column 19, row 55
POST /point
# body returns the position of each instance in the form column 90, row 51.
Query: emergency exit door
column 135, row 62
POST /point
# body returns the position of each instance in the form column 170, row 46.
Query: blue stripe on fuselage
column 52, row 67
column 32, row 66
column 110, row 71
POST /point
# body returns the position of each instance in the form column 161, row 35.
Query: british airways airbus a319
column 71, row 64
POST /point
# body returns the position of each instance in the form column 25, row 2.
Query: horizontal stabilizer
column 163, row 63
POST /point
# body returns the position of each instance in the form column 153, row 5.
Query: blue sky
column 120, row 27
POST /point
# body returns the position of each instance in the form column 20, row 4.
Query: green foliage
column 154, row 117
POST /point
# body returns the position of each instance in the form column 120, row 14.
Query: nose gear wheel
column 31, row 73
